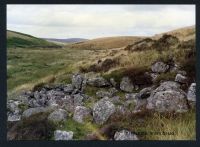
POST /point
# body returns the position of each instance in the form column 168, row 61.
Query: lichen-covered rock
column 81, row 113
column 78, row 100
column 168, row 97
column 58, row 115
column 115, row 99
column 63, row 135
column 77, row 81
column 32, row 111
column 68, row 88
column 159, row 67
column 102, row 110
column 181, row 79
column 125, row 135
column 126, row 84
column 191, row 94
column 13, row 117
column 98, row 82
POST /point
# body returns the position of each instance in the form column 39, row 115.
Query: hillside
column 106, row 42
column 68, row 40
column 112, row 88
column 185, row 33
column 16, row 39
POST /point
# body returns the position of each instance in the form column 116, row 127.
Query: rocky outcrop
column 181, row 79
column 191, row 95
column 63, row 135
column 14, row 112
column 168, row 97
column 78, row 82
column 81, row 113
column 125, row 135
column 58, row 116
column 126, row 84
column 33, row 111
column 159, row 67
column 98, row 82
column 102, row 110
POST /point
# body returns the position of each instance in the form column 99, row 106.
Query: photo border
column 3, row 79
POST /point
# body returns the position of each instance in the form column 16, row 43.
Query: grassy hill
column 185, row 33
column 16, row 39
column 106, row 42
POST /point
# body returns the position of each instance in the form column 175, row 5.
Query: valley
column 112, row 88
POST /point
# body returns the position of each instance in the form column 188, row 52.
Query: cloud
column 91, row 21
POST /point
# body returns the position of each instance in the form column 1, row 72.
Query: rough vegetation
column 137, row 89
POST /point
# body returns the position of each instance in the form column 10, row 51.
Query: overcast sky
column 93, row 21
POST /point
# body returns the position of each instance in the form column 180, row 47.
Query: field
column 26, row 67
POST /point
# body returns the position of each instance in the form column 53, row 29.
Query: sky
column 94, row 21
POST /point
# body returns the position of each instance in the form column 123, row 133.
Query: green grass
column 27, row 67
column 80, row 130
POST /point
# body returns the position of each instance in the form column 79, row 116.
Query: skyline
column 69, row 21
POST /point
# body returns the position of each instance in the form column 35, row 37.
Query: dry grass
column 106, row 42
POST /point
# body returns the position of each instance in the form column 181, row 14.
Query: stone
column 168, row 85
column 181, row 79
column 154, row 76
column 68, row 88
column 113, row 91
column 13, row 117
column 102, row 110
column 63, row 135
column 115, row 100
column 77, row 80
column 78, row 100
column 81, row 113
column 159, row 67
column 126, row 85
column 130, row 96
column 125, row 135
column 98, row 82
column 113, row 82
column 33, row 111
column 13, row 106
column 168, row 97
column 182, row 72
column 191, row 94
column 144, row 93
column 58, row 115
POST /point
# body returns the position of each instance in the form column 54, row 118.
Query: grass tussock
column 158, row 126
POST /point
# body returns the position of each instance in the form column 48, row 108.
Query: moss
column 23, row 107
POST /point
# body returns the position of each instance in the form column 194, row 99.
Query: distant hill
column 69, row 40
column 16, row 39
column 106, row 42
